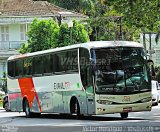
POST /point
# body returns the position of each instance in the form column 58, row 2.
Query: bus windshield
column 120, row 70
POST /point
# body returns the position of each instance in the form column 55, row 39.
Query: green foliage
column 64, row 36
column 42, row 35
column 23, row 49
column 46, row 34
column 72, row 35
column 4, row 82
column 137, row 16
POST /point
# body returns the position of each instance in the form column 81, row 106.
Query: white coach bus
column 84, row 79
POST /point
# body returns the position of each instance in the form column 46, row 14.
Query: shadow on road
column 92, row 118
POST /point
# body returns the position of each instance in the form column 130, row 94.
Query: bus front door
column 90, row 100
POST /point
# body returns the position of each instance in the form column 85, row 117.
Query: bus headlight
column 104, row 102
column 146, row 99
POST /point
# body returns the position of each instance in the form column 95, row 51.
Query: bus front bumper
column 120, row 108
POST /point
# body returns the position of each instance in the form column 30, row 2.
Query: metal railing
column 11, row 44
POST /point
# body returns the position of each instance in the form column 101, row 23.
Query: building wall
column 12, row 45
column 155, row 48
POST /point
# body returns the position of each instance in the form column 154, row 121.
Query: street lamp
column 62, row 14
column 70, row 25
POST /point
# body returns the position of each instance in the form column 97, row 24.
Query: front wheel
column 6, row 106
column 27, row 109
column 75, row 109
column 124, row 115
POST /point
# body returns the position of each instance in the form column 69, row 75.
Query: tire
column 27, row 109
column 75, row 109
column 124, row 115
column 6, row 106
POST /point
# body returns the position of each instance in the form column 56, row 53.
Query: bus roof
column 88, row 45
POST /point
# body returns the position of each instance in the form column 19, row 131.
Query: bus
column 93, row 78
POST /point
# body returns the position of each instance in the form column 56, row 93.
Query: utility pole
column 150, row 46
column 59, row 18
column 144, row 41
column 120, row 28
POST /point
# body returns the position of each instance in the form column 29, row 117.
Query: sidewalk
column 1, row 108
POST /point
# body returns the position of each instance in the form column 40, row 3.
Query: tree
column 4, row 82
column 46, row 34
column 138, row 16
column 81, row 6
column 72, row 35
column 42, row 35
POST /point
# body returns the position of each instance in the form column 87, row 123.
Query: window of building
column 5, row 33
column 23, row 32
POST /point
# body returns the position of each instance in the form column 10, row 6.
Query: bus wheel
column 6, row 106
column 74, row 107
column 124, row 115
column 27, row 109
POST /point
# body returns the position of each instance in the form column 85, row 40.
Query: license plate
column 127, row 109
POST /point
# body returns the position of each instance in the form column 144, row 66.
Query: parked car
column 155, row 92
column 6, row 103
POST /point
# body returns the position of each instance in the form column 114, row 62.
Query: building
column 152, row 47
column 15, row 19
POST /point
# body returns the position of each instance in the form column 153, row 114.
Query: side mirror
column 150, row 61
column 152, row 69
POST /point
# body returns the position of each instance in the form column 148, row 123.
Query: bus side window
column 11, row 68
column 27, row 65
column 38, row 65
column 47, row 61
column 69, row 61
column 18, row 68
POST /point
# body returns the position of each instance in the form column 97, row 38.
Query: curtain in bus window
column 54, row 62
column 75, row 60
column 69, row 61
column 60, row 57
column 47, row 60
column 19, row 68
column 38, row 65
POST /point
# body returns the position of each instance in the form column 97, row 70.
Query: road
column 136, row 122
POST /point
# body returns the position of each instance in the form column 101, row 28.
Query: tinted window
column 11, row 67
column 84, row 66
column 47, row 62
column 71, row 61
column 27, row 65
column 38, row 65
column 18, row 67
